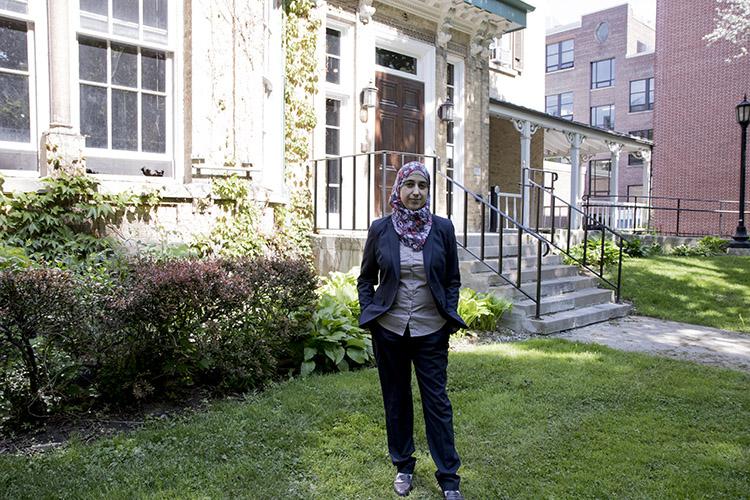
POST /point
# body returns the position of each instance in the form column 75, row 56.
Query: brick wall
column 624, row 33
column 697, row 139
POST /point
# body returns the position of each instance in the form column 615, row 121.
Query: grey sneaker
column 402, row 485
column 453, row 495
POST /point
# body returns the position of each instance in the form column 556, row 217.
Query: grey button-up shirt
column 414, row 305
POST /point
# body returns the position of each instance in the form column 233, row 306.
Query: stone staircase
column 570, row 299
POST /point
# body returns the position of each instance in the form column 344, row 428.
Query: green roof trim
column 513, row 10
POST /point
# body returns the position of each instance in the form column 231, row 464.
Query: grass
column 540, row 419
column 710, row 291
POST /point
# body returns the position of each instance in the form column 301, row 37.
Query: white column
column 527, row 129
column 614, row 181
column 646, row 155
column 576, row 141
column 61, row 146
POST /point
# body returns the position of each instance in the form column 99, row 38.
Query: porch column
column 527, row 129
column 576, row 141
column 646, row 155
column 61, row 146
column 614, row 180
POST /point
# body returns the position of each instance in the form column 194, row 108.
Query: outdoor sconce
column 446, row 111
column 369, row 96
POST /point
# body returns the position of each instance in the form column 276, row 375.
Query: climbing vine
column 300, row 39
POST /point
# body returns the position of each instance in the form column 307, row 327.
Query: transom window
column 15, row 114
column 603, row 116
column 142, row 20
column 560, row 105
column 394, row 60
column 560, row 55
column 333, row 56
column 642, row 95
column 602, row 73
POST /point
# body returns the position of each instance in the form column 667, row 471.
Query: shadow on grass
column 544, row 418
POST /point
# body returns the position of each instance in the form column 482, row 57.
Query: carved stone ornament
column 366, row 11
column 574, row 138
column 614, row 147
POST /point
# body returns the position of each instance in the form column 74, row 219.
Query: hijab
column 412, row 226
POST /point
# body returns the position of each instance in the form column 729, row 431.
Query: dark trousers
column 429, row 354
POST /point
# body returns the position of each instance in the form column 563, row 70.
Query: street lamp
column 743, row 118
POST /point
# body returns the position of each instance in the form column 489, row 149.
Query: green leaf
column 343, row 365
column 310, row 353
column 359, row 356
column 307, row 368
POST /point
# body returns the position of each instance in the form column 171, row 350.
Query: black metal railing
column 463, row 206
column 671, row 215
column 590, row 225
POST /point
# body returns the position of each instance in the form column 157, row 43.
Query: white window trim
column 173, row 86
column 36, row 47
column 459, row 124
column 391, row 39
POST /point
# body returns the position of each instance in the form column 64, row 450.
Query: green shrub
column 14, row 258
column 336, row 342
column 636, row 248
column 706, row 247
column 481, row 311
column 594, row 253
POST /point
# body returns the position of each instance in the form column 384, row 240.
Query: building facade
column 147, row 94
column 695, row 128
column 600, row 72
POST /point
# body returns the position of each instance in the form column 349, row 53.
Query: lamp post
column 740, row 238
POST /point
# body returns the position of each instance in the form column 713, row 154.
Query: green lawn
column 711, row 291
column 539, row 419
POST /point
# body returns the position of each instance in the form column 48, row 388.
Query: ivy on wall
column 300, row 39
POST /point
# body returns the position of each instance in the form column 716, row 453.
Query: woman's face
column 414, row 191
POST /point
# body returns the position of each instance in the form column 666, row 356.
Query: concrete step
column 509, row 264
column 564, row 302
column 565, row 320
column 527, row 275
column 491, row 251
column 550, row 287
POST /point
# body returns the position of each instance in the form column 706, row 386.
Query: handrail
column 588, row 222
column 541, row 241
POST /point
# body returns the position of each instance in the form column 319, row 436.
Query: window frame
column 594, row 109
column 333, row 186
column 593, row 164
column 36, row 46
column 559, row 104
column 597, row 83
column 648, row 93
column 172, row 83
column 559, row 65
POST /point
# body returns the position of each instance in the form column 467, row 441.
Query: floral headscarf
column 412, row 226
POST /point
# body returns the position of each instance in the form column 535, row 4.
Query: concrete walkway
column 669, row 338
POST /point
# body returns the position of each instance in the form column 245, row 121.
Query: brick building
column 697, row 137
column 600, row 71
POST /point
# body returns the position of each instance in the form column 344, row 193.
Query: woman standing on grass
column 412, row 255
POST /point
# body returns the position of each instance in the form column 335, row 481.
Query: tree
column 732, row 25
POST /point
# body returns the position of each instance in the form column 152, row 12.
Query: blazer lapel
column 393, row 249
column 427, row 251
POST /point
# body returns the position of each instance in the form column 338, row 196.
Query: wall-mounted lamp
column 369, row 96
column 446, row 111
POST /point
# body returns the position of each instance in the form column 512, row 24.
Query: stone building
column 697, row 156
column 151, row 94
column 600, row 71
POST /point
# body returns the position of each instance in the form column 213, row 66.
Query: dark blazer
column 381, row 263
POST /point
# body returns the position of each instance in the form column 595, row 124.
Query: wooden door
column 399, row 127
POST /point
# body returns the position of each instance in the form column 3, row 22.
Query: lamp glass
column 446, row 111
column 743, row 112
column 369, row 96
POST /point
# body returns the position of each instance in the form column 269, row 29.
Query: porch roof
column 468, row 15
column 555, row 141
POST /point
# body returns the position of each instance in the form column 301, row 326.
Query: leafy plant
column 594, row 255
column 636, row 248
column 67, row 220
column 706, row 247
column 481, row 311
column 336, row 342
